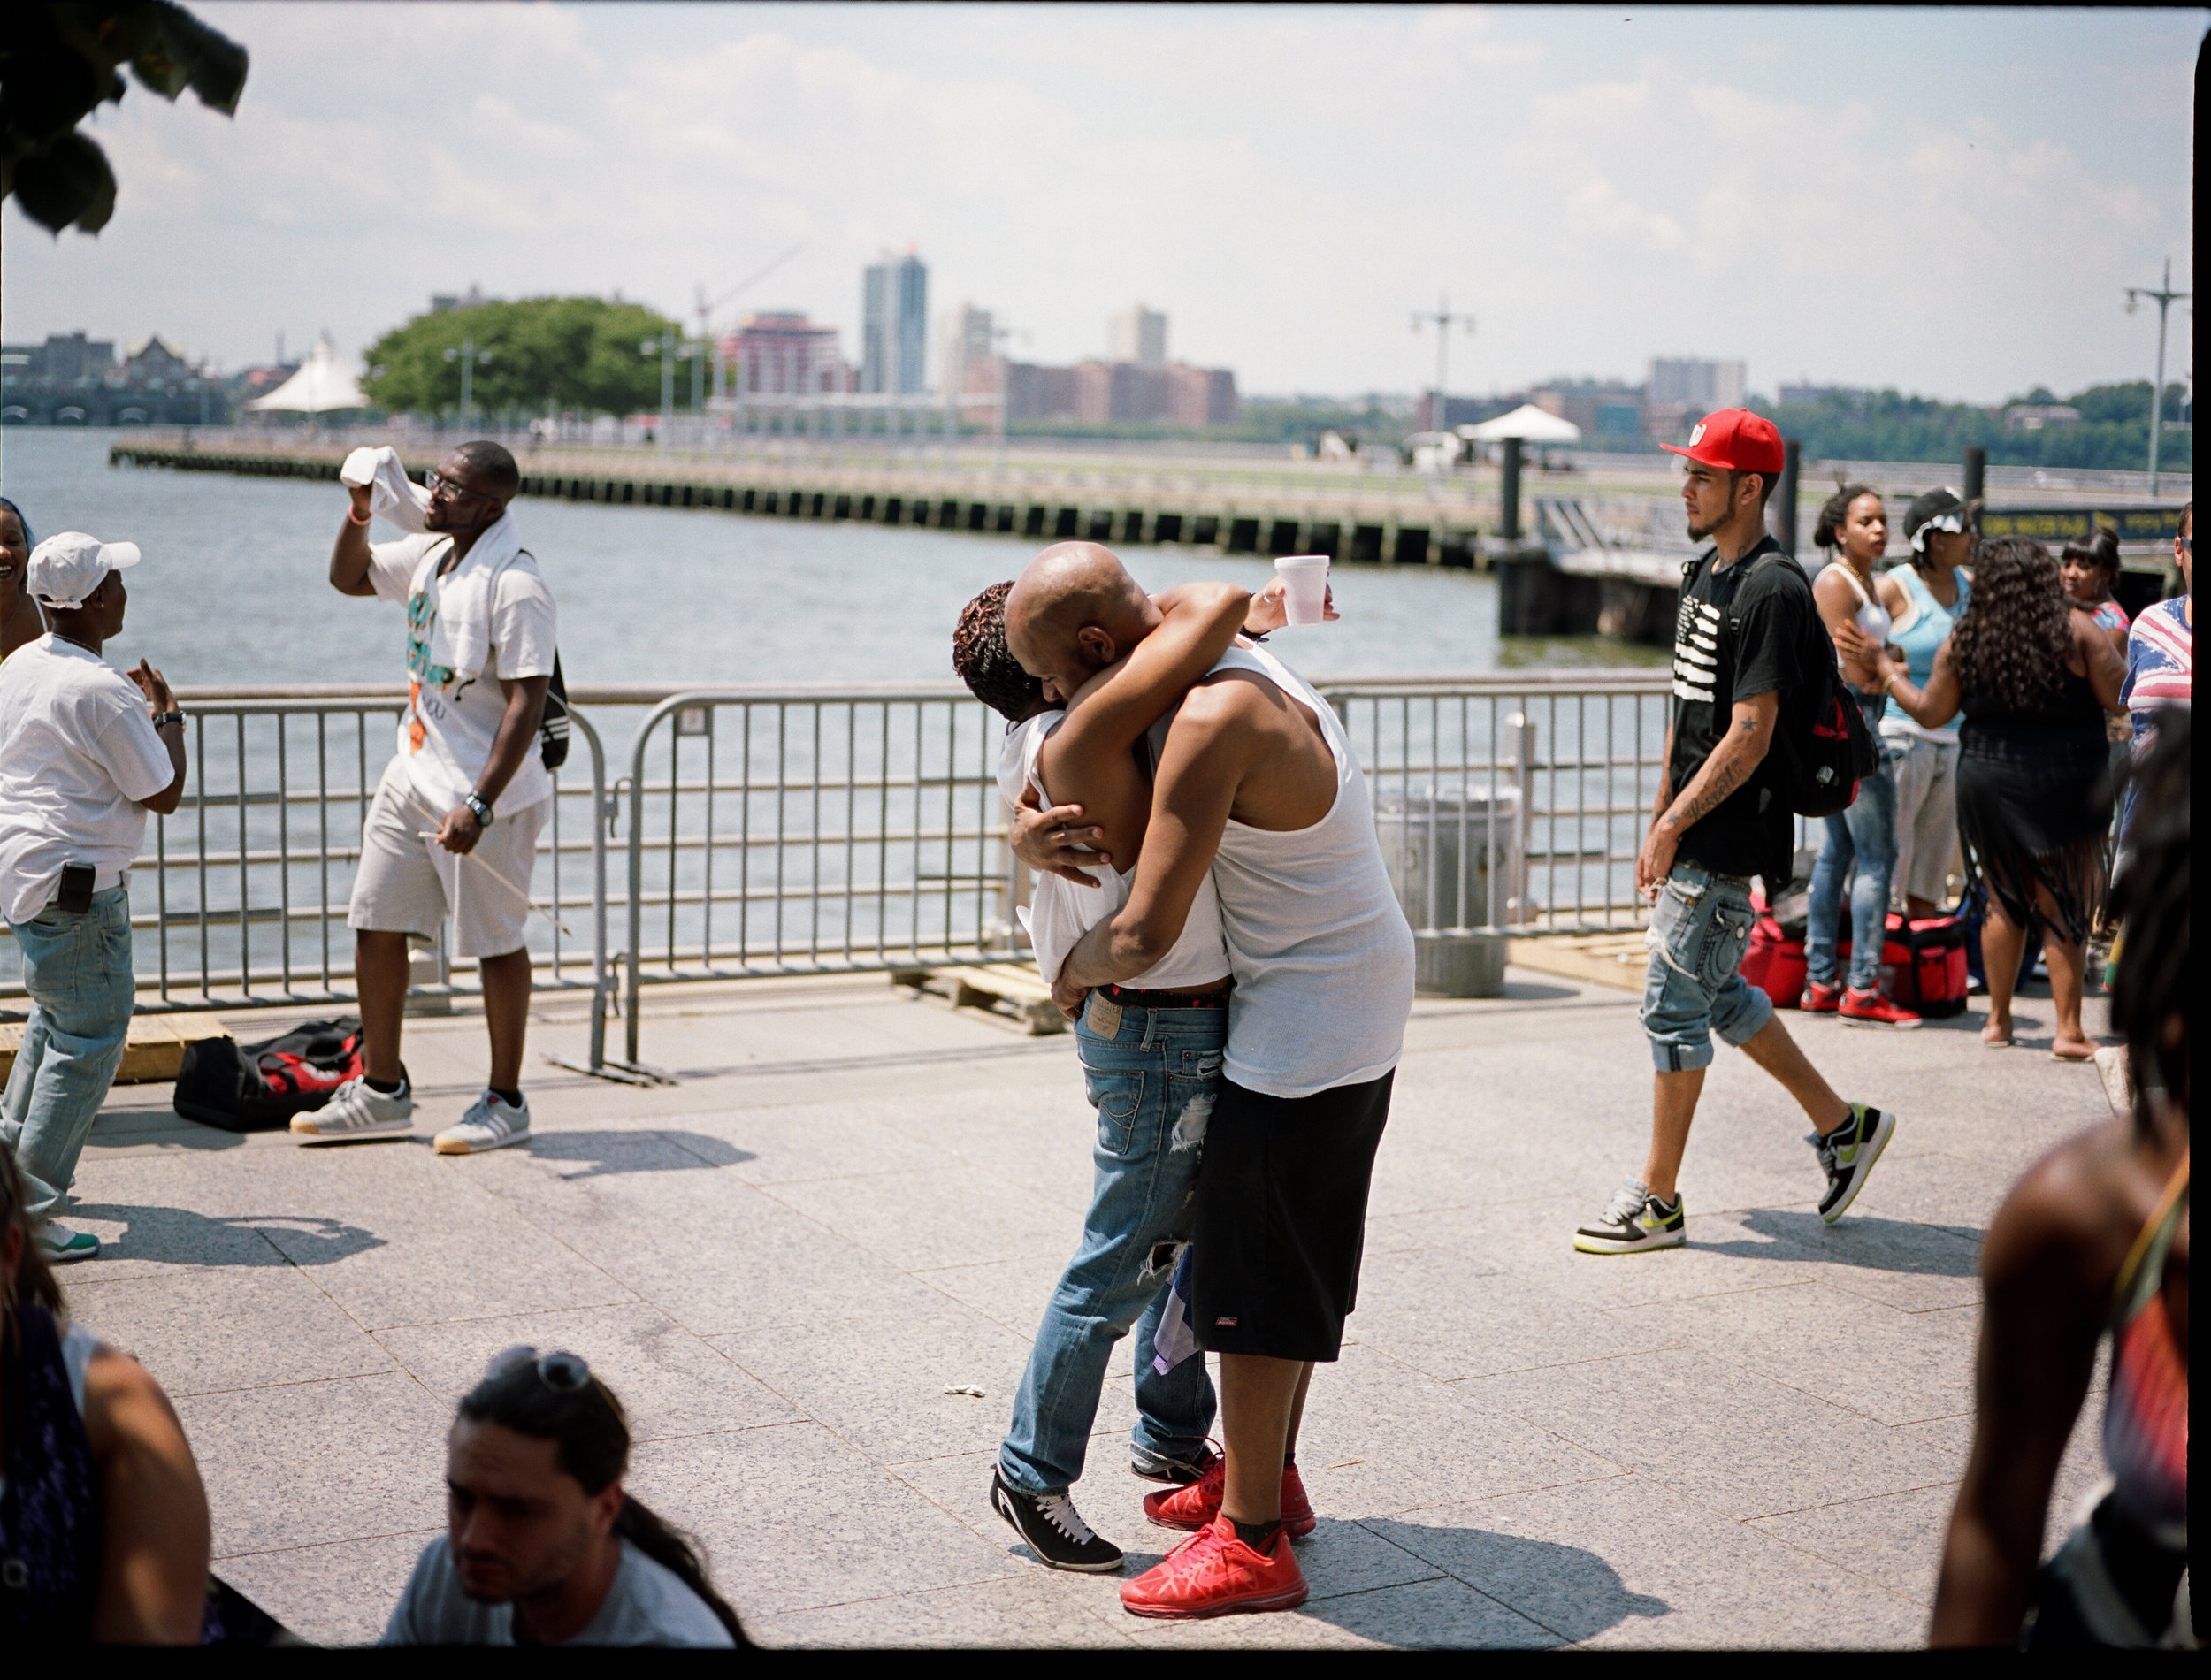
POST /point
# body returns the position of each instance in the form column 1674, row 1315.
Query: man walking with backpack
column 1751, row 662
column 454, row 826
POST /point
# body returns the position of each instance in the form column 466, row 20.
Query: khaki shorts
column 406, row 884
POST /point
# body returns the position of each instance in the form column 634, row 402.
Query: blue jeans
column 1864, row 835
column 77, row 967
column 1699, row 930
column 1153, row 1084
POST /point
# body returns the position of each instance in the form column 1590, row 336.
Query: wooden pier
column 1353, row 528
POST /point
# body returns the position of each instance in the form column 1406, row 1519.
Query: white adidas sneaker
column 490, row 1124
column 354, row 1112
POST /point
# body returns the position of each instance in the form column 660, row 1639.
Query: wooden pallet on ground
column 1012, row 989
column 1603, row 959
column 153, row 1050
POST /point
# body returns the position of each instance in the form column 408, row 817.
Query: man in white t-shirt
column 455, row 824
column 84, row 756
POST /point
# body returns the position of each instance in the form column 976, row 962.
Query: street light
column 469, row 357
column 669, row 349
column 1444, row 319
column 2166, row 298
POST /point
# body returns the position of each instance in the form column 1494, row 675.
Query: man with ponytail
column 543, row 1545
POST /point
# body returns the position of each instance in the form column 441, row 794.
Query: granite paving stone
column 856, row 1197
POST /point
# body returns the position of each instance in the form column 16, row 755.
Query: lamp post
column 2166, row 298
column 1442, row 316
column 468, row 356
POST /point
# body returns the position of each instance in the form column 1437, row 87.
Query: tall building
column 1136, row 334
column 781, row 353
column 894, row 326
column 963, row 341
column 1703, row 385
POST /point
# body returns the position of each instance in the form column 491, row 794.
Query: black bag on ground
column 259, row 1087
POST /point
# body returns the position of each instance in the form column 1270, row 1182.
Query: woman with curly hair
column 2033, row 676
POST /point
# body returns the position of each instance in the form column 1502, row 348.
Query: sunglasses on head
column 564, row 1373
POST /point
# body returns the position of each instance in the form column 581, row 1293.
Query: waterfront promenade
column 858, row 1199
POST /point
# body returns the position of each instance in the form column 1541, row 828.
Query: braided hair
column 2016, row 631
column 986, row 664
column 591, row 1433
column 2149, row 1001
column 1828, row 528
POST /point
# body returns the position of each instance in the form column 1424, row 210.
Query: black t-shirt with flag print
column 1742, row 630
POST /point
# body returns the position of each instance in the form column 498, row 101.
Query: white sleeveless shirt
column 1061, row 912
column 1321, row 950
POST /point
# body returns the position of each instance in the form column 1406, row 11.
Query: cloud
column 1287, row 183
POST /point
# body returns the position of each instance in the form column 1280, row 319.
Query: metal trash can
column 1441, row 849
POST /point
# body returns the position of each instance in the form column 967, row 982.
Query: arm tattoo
column 1727, row 773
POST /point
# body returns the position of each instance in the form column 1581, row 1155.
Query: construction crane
column 705, row 306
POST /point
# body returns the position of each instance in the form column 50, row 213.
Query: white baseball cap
column 69, row 566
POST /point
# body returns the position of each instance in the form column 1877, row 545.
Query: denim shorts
column 1699, row 931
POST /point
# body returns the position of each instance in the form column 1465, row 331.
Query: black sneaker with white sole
column 1176, row 1470
column 1846, row 1156
column 1632, row 1221
column 1053, row 1529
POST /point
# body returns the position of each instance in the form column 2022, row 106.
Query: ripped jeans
column 1153, row 1085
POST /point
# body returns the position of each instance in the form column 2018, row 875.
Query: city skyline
column 1905, row 200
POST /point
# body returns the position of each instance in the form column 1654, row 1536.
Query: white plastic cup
column 1305, row 587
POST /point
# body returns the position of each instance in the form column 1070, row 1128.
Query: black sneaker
column 1176, row 1470
column 1055, row 1532
column 1847, row 1155
column 1632, row 1221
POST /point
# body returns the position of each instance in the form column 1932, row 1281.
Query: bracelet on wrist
column 353, row 518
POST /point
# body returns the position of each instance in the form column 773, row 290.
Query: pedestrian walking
column 1259, row 786
column 2094, row 1243
column 1924, row 599
column 1859, row 857
column 1749, row 661
column 19, row 619
column 1151, row 1055
column 454, row 826
column 84, row 754
column 2033, row 676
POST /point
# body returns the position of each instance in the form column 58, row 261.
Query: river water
column 233, row 587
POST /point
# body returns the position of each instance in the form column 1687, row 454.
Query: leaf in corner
column 68, row 183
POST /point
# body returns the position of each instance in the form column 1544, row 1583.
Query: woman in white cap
column 1926, row 598
column 84, row 755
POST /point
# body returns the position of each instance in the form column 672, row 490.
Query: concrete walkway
column 857, row 1199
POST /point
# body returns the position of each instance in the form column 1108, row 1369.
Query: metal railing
column 239, row 900
column 824, row 830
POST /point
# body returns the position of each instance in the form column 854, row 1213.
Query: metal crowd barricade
column 814, row 831
column 239, row 900
column 1514, row 801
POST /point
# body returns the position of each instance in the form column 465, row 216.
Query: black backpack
column 1824, row 746
column 259, row 1087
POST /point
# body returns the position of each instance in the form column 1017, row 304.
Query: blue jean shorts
column 1699, row 931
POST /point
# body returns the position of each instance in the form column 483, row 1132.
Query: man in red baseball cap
column 1750, row 652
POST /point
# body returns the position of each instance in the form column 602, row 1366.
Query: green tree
column 59, row 62
column 571, row 354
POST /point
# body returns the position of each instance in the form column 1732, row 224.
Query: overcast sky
column 1947, row 202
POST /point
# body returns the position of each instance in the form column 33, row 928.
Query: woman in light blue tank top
column 1926, row 761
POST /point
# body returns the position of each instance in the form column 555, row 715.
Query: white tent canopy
column 1527, row 423
column 320, row 386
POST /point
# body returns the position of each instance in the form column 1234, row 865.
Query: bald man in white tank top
column 1257, row 784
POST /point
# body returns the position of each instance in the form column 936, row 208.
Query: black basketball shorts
column 1282, row 1219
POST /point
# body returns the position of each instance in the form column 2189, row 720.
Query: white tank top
column 1321, row 953
column 1060, row 912
column 1872, row 617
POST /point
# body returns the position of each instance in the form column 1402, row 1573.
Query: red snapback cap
column 1735, row 439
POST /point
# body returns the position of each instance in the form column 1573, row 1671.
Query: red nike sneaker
column 1214, row 1573
column 1871, row 1009
column 1194, row 1506
column 1820, row 1000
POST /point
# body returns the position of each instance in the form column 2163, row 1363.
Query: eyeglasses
column 437, row 483
column 564, row 1373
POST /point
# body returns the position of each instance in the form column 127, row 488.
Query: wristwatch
column 478, row 808
column 174, row 715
